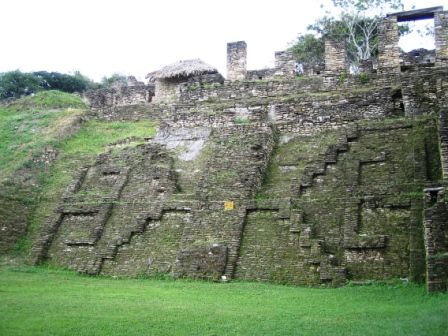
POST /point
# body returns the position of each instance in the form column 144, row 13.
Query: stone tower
column 441, row 37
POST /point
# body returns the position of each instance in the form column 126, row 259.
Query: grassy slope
column 77, row 151
column 36, row 301
column 32, row 123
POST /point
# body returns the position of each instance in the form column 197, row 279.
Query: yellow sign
column 229, row 205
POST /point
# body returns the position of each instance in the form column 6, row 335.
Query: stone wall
column 388, row 50
column 300, row 112
column 104, row 224
column 22, row 185
column 167, row 90
column 122, row 95
column 20, row 190
column 424, row 91
column 241, row 202
column 343, row 222
column 417, row 57
column 263, row 89
column 298, row 104
column 263, row 74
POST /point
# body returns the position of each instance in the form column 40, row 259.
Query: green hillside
column 31, row 123
column 43, row 141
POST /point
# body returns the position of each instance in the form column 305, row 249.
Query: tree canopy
column 14, row 84
column 309, row 49
column 353, row 22
column 114, row 78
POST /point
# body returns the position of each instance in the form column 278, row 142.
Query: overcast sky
column 134, row 37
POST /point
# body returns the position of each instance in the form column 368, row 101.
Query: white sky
column 134, row 37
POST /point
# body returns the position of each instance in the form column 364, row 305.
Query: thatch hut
column 168, row 78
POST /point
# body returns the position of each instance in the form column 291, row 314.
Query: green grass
column 51, row 99
column 31, row 123
column 37, row 301
column 79, row 150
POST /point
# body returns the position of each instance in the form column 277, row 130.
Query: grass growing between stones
column 50, row 119
column 295, row 154
column 38, row 301
column 75, row 152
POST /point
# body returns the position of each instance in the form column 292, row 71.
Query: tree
column 361, row 19
column 355, row 24
column 89, row 83
column 16, row 84
column 113, row 79
column 309, row 49
column 61, row 82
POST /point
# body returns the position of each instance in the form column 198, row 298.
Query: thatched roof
column 185, row 68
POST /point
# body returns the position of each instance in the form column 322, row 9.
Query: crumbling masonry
column 310, row 180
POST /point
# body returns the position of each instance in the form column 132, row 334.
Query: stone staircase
column 93, row 267
column 143, row 223
column 298, row 186
column 330, row 269
column 313, row 247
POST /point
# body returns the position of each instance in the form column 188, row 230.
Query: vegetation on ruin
column 80, row 150
column 40, row 301
column 113, row 79
column 50, row 119
column 356, row 25
column 298, row 153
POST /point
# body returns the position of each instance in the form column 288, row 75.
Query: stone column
column 236, row 60
column 335, row 56
column 441, row 37
column 388, row 51
column 285, row 64
column 435, row 219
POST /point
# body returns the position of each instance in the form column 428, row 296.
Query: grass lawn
column 39, row 301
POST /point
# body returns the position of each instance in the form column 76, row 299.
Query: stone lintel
column 417, row 14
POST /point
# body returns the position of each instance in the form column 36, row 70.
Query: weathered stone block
column 207, row 262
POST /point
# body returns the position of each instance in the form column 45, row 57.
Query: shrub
column 363, row 78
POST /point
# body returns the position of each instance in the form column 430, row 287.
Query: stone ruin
column 266, row 177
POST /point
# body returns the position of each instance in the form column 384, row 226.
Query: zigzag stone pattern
column 312, row 181
column 133, row 219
